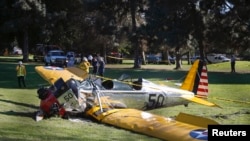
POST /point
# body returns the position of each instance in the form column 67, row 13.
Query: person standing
column 94, row 65
column 90, row 57
column 21, row 74
column 84, row 65
column 101, row 67
column 233, row 59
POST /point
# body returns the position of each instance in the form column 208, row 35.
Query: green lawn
column 230, row 91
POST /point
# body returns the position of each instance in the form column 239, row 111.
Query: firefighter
column 21, row 74
column 84, row 65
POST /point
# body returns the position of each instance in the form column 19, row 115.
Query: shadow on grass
column 15, row 113
column 22, row 114
column 228, row 78
column 19, row 104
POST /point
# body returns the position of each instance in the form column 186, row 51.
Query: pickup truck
column 56, row 58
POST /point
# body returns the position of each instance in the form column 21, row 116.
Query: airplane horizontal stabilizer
column 201, row 101
column 195, row 120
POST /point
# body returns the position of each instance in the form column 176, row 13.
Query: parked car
column 153, row 59
column 217, row 58
column 56, row 58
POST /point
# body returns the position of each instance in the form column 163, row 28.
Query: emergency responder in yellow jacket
column 84, row 65
column 21, row 74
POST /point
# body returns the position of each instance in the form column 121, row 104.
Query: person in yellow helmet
column 84, row 65
column 21, row 74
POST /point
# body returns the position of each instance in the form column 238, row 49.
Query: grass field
column 17, row 106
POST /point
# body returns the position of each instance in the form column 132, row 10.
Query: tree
column 21, row 21
column 227, row 25
column 169, row 24
column 117, row 19
column 139, row 25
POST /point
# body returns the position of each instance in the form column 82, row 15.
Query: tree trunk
column 137, row 58
column 166, row 56
column 199, row 28
column 143, row 58
column 188, row 57
column 26, row 46
column 178, row 60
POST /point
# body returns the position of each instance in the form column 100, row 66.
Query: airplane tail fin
column 197, row 79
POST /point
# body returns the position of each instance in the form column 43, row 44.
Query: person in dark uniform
column 233, row 59
column 101, row 66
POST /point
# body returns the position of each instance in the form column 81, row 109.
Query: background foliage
column 132, row 27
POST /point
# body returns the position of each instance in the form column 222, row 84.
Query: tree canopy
column 132, row 27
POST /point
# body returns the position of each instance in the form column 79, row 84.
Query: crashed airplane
column 122, row 102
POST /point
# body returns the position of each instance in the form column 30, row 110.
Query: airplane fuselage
column 150, row 96
column 149, row 99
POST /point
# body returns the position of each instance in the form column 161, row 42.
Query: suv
column 41, row 50
column 217, row 58
column 56, row 58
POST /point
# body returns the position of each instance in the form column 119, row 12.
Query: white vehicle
column 217, row 58
column 56, row 58
column 41, row 50
column 213, row 58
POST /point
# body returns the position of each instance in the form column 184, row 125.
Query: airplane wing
column 184, row 127
column 51, row 73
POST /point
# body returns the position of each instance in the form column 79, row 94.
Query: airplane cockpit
column 124, row 82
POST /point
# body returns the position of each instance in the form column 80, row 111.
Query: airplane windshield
column 125, row 77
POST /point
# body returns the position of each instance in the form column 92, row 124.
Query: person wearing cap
column 21, row 74
column 101, row 67
column 84, row 65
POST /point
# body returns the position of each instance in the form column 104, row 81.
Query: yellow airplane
column 73, row 92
